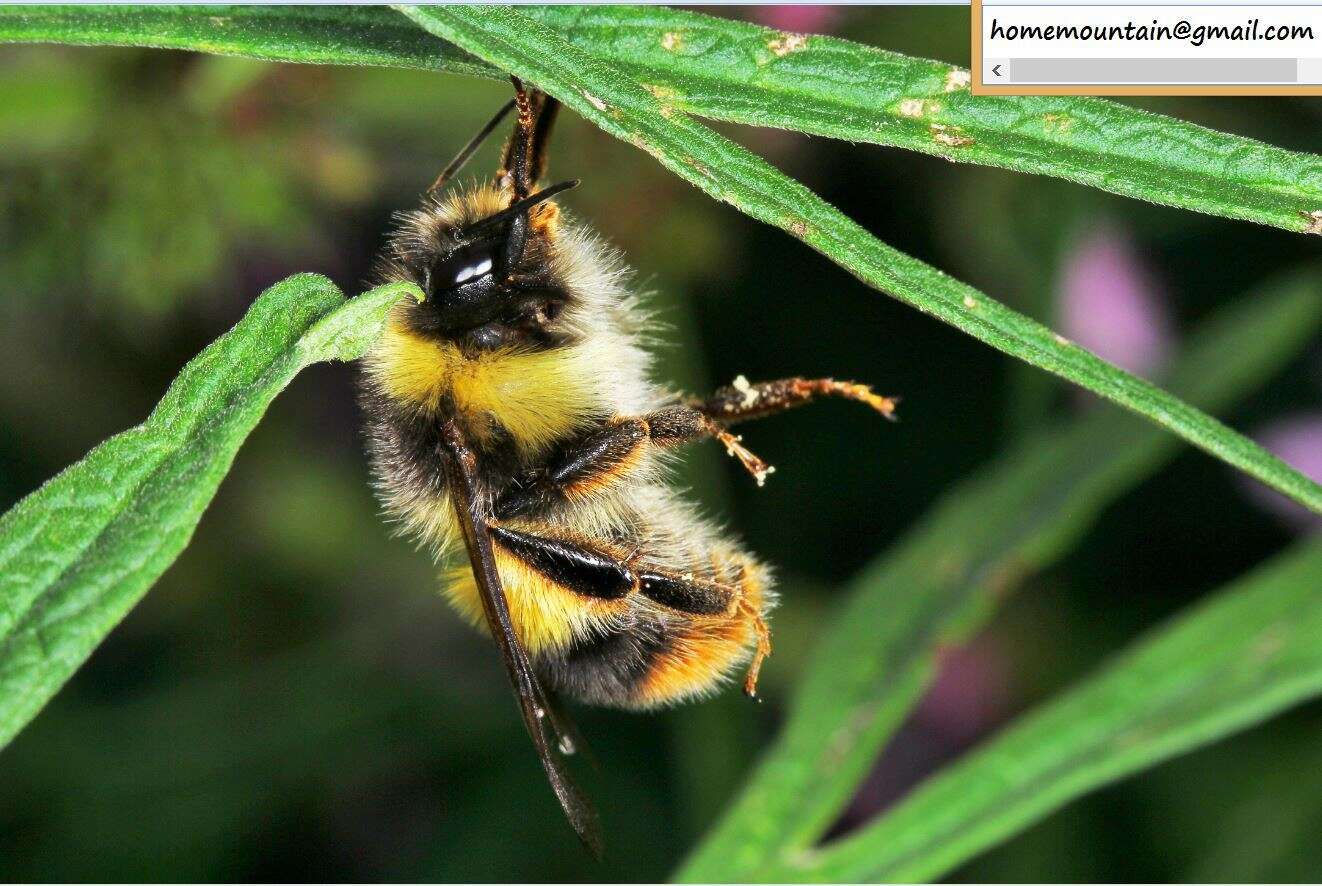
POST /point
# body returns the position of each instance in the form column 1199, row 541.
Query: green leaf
column 338, row 35
column 743, row 73
column 654, row 122
column 1251, row 651
column 942, row 582
column 606, row 96
column 79, row 552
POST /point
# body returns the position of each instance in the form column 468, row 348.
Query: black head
column 490, row 281
column 488, row 275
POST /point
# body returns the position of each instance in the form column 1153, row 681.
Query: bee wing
column 549, row 736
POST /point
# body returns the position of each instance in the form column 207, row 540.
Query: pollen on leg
column 864, row 394
column 749, row 392
column 751, row 462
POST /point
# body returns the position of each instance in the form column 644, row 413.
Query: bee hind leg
column 762, row 650
column 697, row 596
column 723, row 607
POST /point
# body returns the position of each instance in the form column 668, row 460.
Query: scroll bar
column 1175, row 71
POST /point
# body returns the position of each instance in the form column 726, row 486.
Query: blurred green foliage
column 76, row 203
column 79, row 553
column 293, row 701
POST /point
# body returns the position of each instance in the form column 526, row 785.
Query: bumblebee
column 512, row 412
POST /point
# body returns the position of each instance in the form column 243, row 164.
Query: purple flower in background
column 1298, row 441
column 1110, row 304
column 969, row 694
column 799, row 19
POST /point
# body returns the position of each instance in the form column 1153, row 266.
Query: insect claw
column 864, row 394
column 754, row 465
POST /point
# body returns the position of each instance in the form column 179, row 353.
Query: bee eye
column 464, row 265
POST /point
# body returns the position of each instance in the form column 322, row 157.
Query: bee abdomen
column 683, row 645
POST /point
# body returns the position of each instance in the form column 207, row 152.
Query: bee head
column 485, row 259
column 487, row 279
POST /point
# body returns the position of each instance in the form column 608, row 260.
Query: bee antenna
column 520, row 207
column 469, row 149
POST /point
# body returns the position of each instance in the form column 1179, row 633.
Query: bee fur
column 533, row 345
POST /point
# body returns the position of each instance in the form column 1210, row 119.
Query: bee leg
column 743, row 400
column 583, row 569
column 603, row 574
column 612, row 451
column 524, row 157
column 722, row 611
column 762, row 651
column 688, row 593
column 679, row 424
column 592, row 461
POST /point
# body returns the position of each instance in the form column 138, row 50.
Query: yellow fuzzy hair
column 537, row 396
column 546, row 616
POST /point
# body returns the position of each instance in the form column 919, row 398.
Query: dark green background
column 294, row 701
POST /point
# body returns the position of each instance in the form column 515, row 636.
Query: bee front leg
column 612, row 452
column 744, row 400
column 680, row 424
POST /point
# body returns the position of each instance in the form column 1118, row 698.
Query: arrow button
column 995, row 70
